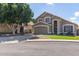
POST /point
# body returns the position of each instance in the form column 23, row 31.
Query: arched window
column 68, row 28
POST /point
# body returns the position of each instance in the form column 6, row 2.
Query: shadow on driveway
column 17, row 37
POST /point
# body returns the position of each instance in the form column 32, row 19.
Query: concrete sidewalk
column 60, row 40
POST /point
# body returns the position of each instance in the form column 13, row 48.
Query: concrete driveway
column 17, row 37
column 45, row 48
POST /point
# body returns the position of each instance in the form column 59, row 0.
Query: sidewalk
column 51, row 40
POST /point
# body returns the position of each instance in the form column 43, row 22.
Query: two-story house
column 48, row 23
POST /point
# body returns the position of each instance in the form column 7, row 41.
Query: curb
column 51, row 40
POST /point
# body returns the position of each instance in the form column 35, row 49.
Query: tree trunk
column 22, row 29
column 10, row 26
column 13, row 29
column 18, row 29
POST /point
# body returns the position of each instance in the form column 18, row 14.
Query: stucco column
column 58, row 27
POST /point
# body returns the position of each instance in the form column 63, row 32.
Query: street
column 51, row 48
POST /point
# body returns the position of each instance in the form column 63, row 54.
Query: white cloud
column 49, row 4
column 73, row 18
column 77, row 13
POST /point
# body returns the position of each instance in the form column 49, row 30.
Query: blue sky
column 68, row 11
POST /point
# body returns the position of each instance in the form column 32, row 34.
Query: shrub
column 70, row 33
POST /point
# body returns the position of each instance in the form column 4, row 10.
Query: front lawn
column 60, row 37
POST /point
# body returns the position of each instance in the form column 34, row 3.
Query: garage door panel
column 41, row 30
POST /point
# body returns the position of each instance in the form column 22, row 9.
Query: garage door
column 41, row 30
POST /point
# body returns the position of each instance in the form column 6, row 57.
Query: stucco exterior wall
column 4, row 28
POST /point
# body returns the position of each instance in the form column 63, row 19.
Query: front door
column 55, row 27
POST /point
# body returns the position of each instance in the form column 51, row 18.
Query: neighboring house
column 48, row 23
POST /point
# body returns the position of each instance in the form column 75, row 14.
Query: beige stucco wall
column 4, row 28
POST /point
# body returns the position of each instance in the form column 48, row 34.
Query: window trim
column 49, row 20
column 41, row 19
column 68, row 25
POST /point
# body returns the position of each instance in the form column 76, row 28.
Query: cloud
column 50, row 4
column 73, row 18
column 76, row 13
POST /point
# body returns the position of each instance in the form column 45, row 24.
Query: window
column 55, row 27
column 48, row 20
column 68, row 28
column 40, row 19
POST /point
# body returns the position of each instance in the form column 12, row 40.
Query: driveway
column 17, row 37
column 40, row 48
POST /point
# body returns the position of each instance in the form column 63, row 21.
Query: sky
column 68, row 11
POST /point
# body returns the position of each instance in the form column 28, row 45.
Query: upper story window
column 40, row 20
column 48, row 20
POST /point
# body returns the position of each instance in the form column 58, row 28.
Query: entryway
column 55, row 27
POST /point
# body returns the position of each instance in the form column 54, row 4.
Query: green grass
column 62, row 37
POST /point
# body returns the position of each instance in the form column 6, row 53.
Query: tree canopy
column 15, row 13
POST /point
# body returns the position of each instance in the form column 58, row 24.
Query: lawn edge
column 51, row 40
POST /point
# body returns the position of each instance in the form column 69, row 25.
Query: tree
column 33, row 20
column 15, row 13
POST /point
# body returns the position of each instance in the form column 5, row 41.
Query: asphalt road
column 40, row 49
